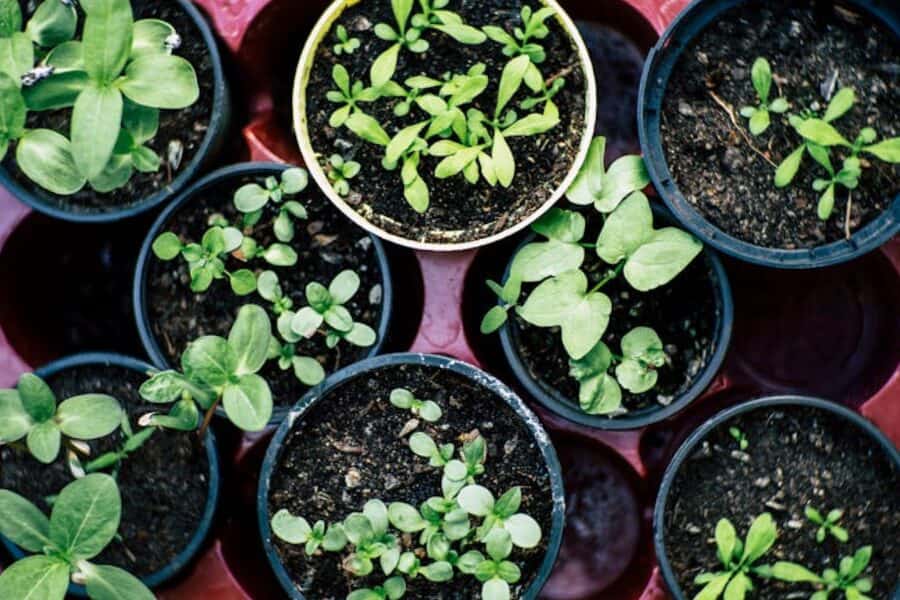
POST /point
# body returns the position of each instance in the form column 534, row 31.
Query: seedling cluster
column 463, row 139
column 325, row 314
column 115, row 80
column 567, row 299
column 818, row 137
column 740, row 564
column 464, row 531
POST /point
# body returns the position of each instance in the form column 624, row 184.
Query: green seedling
column 828, row 524
column 427, row 409
column 463, row 470
column 422, row 445
column 445, row 521
column 296, row 530
column 131, row 443
column 217, row 371
column 30, row 411
column 251, row 198
column 206, row 260
column 739, row 437
column 521, row 43
column 368, row 533
column 340, row 173
column 606, row 188
column 845, row 580
column 760, row 119
column 411, row 566
column 393, row 589
column 349, row 96
column 738, row 559
column 346, row 44
column 83, row 522
column 495, row 572
column 115, row 81
column 500, row 514
column 327, row 309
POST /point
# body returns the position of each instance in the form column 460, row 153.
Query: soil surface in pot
column 796, row 457
column 459, row 211
column 186, row 127
column 348, row 450
column 164, row 485
column 710, row 156
column 684, row 314
column 326, row 244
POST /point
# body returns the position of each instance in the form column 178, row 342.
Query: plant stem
column 847, row 217
column 207, row 418
column 609, row 277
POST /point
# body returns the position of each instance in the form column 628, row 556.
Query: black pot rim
column 187, row 555
column 218, row 123
column 554, row 401
column 496, row 386
column 658, row 68
column 687, row 448
column 148, row 340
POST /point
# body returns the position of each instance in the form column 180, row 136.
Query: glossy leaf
column 89, row 416
column 161, row 81
column 96, row 119
column 661, row 258
column 107, row 36
column 85, row 516
column 248, row 403
column 22, row 523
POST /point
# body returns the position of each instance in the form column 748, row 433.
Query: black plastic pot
column 186, row 556
column 151, row 345
column 658, row 68
column 553, row 400
column 688, row 448
column 47, row 203
column 366, row 369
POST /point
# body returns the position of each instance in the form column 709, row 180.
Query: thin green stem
column 609, row 277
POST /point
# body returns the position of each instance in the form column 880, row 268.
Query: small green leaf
column 826, row 203
column 537, row 261
column 563, row 225
column 294, row 181
column 308, row 370
column 43, row 442
column 523, row 530
column 280, row 255
column 661, row 258
column 495, row 318
column 841, row 103
column 15, row 422
column 821, row 133
column 46, row 158
column 248, row 403
column 249, row 339
column 16, row 56
column 23, row 523
column 759, row 121
column 635, row 377
column 59, row 91
column 209, row 360
column 794, row 573
column 761, row 75
column 589, row 181
column 10, row 17
column 384, row 66
column 167, row 246
column 476, row 500
column 495, row 589
column 161, row 81
column 150, row 37
column 368, row 129
column 437, row 571
column 107, row 36
column 291, row 529
column 52, row 24
column 760, row 538
column 510, row 82
column 89, row 416
column 788, row 168
column 344, row 287
column 37, row 397
column 628, row 228
column 625, row 176
column 887, row 150
column 85, row 516
column 104, row 582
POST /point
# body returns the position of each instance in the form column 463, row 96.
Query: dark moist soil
column 326, row 244
column 459, row 212
column 713, row 165
column 684, row 314
column 348, row 451
column 188, row 126
column 797, row 457
column 164, row 485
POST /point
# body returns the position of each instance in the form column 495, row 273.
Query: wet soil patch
column 352, row 436
column 459, row 211
column 715, row 168
column 164, row 485
column 796, row 457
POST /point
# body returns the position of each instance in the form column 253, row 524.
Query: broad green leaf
column 52, row 24
column 437, row 571
column 625, row 176
column 661, row 258
column 887, row 150
column 61, row 90
column 339, row 318
column 539, row 260
column 841, row 102
column 344, row 287
column 495, row 589
column 759, row 121
column 115, row 174
column 306, row 322
column 635, row 377
column 464, row 34
column 12, row 109
column 364, row 594
column 250, row 198
column 142, row 122
column 16, row 56
column 377, row 513
column 249, row 339
column 150, row 37
column 23, row 523
column 826, row 203
column 161, row 81
column 821, row 133
column 562, row 225
column 85, row 516
column 96, row 120
column 15, row 422
column 10, row 17
column 89, row 416
column 43, row 442
column 589, row 181
column 46, row 158
column 455, row 163
column 760, row 538
column 395, row 588
column 168, row 386
column 308, row 370
column 417, row 195
column 248, row 403
column 106, row 40
column 291, row 529
column 476, row 500
column 66, row 57
column 402, row 398
column 422, row 445
column 210, row 360
column 643, row 343
column 523, row 530
column 357, row 528
column 401, row 9
column 626, row 229
column 498, row 544
column 510, row 82
column 788, row 168
column 599, row 395
column 35, row 578
column 402, row 141
column 104, row 582
column 761, row 75
column 861, row 560
column 367, row 128
column 37, row 397
column 384, row 66
column 361, row 335
column 786, row 571
column 294, row 181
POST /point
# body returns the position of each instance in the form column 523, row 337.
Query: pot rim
column 195, row 544
column 32, row 194
column 687, row 448
column 658, row 68
column 139, row 287
column 497, row 387
column 304, row 68
column 556, row 402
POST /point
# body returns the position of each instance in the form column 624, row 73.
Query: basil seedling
column 761, row 76
column 739, row 437
column 31, row 412
column 828, row 524
column 738, row 559
column 84, row 520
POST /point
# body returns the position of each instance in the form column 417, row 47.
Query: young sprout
column 30, row 411
column 459, row 472
column 427, row 409
column 368, row 533
column 761, row 75
column 131, row 444
column 84, row 520
column 340, row 173
column 846, row 579
column 412, row 567
column 739, row 437
column 520, row 43
column 393, row 589
column 251, row 198
column 326, row 307
column 500, row 514
column 296, row 530
column 346, row 44
column 217, row 371
column 606, row 188
column 206, row 260
column 349, row 96
column 738, row 559
column 496, row 572
column 828, row 524
column 422, row 445
column 444, row 522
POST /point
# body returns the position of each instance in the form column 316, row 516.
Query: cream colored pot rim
column 304, row 68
